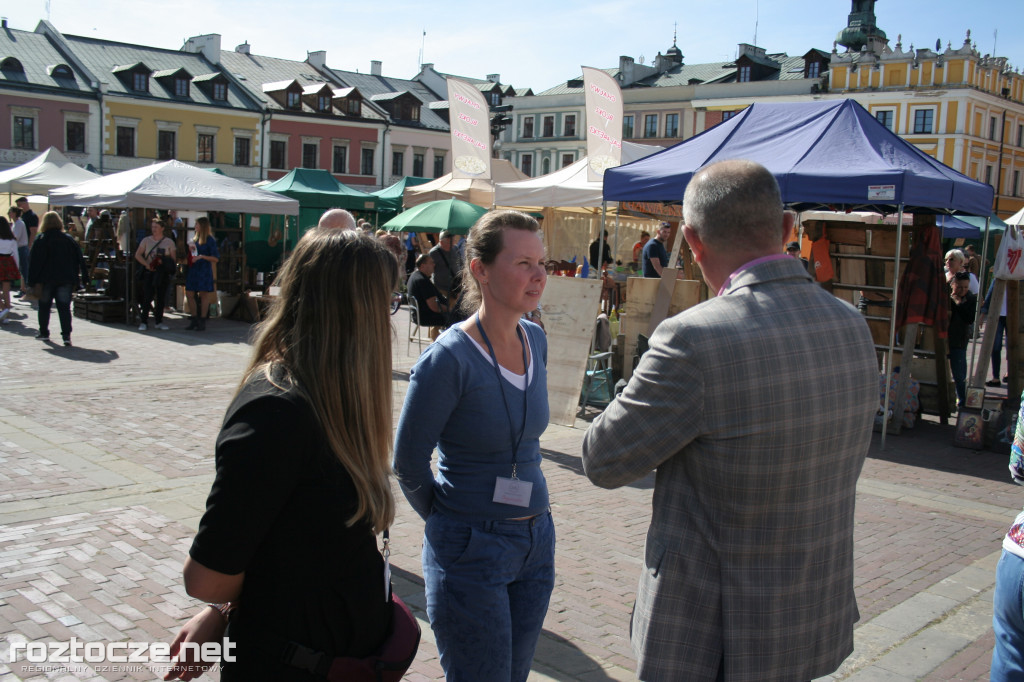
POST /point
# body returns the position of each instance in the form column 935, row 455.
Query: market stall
column 475, row 191
column 828, row 154
column 173, row 184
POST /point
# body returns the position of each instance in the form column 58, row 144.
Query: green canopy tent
column 389, row 199
column 453, row 215
column 316, row 190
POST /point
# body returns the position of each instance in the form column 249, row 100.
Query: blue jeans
column 1008, row 620
column 958, row 367
column 488, row 584
column 997, row 349
column 23, row 253
column 61, row 293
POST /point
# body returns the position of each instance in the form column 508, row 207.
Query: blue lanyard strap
column 501, row 385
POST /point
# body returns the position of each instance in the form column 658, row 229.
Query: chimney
column 207, row 45
column 243, row 48
column 318, row 59
column 375, row 67
column 626, row 65
column 494, row 77
column 3, row 22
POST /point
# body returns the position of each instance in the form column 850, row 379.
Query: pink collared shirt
column 750, row 264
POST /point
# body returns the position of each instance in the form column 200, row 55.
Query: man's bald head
column 735, row 205
column 338, row 219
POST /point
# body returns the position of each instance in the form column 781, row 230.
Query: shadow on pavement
column 574, row 464
column 930, row 446
column 80, row 354
column 552, row 647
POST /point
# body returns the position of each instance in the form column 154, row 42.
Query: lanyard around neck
column 501, row 386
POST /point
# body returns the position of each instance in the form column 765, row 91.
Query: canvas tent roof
column 317, row 188
column 174, row 184
column 567, row 187
column 475, row 191
column 48, row 170
column 824, row 154
column 390, row 198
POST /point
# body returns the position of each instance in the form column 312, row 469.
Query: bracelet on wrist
column 225, row 609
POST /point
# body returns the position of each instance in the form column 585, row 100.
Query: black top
column 30, row 219
column 277, row 511
column 56, row 258
column 961, row 315
column 595, row 246
column 423, row 289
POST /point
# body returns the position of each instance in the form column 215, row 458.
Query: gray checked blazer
column 756, row 410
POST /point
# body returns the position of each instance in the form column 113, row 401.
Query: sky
column 529, row 43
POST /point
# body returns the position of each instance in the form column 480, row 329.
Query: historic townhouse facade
column 47, row 101
column 157, row 104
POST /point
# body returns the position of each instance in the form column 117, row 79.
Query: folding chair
column 415, row 330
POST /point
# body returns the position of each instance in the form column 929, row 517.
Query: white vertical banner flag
column 604, row 122
column 470, row 121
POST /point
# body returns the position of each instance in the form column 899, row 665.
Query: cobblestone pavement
column 106, row 457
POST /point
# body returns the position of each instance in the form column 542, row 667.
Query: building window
column 205, row 150
column 323, row 103
column 528, row 126
column 140, row 81
column 438, row 165
column 243, row 154
column 923, row 120
column 495, row 98
column 545, row 166
column 340, row 163
column 125, row 141
column 671, row 125
column 351, row 107
column 398, row 163
column 651, row 125
column 526, row 165
column 1020, row 136
column 568, row 160
column 627, row 127
column 417, row 165
column 743, row 74
column 993, row 127
column 181, row 87
column 726, row 115
column 367, row 166
column 569, row 126
column 165, row 144
column 220, row 91
column 279, row 153
column 309, row 154
column 548, row 126
column 74, row 136
column 813, row 69
column 1016, row 183
column 24, row 132
column 293, row 99
column 884, row 117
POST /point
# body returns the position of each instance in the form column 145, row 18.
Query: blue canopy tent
column 827, row 154
column 967, row 226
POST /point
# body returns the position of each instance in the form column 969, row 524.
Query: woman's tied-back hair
column 202, row 230
column 51, row 221
column 5, row 229
column 485, row 242
column 330, row 331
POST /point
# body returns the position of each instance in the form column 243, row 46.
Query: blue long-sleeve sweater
column 454, row 404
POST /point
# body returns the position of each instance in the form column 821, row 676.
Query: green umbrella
column 449, row 214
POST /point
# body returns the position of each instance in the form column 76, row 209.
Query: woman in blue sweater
column 479, row 395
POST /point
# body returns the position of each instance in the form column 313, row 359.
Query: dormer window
column 495, row 98
column 11, row 65
column 348, row 101
column 181, row 87
column 134, row 76
column 293, row 100
column 140, row 82
column 62, row 72
column 220, row 91
column 323, row 103
column 352, row 107
column 743, row 74
column 813, row 69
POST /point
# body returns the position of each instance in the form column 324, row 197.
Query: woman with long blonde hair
column 199, row 288
column 303, row 471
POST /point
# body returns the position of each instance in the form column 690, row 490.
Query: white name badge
column 513, row 491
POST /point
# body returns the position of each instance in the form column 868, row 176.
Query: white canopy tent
column 176, row 184
column 475, row 191
column 48, row 170
column 567, row 187
column 1016, row 219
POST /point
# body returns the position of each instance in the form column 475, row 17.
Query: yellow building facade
column 962, row 108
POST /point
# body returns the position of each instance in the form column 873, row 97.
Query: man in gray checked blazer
column 756, row 409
